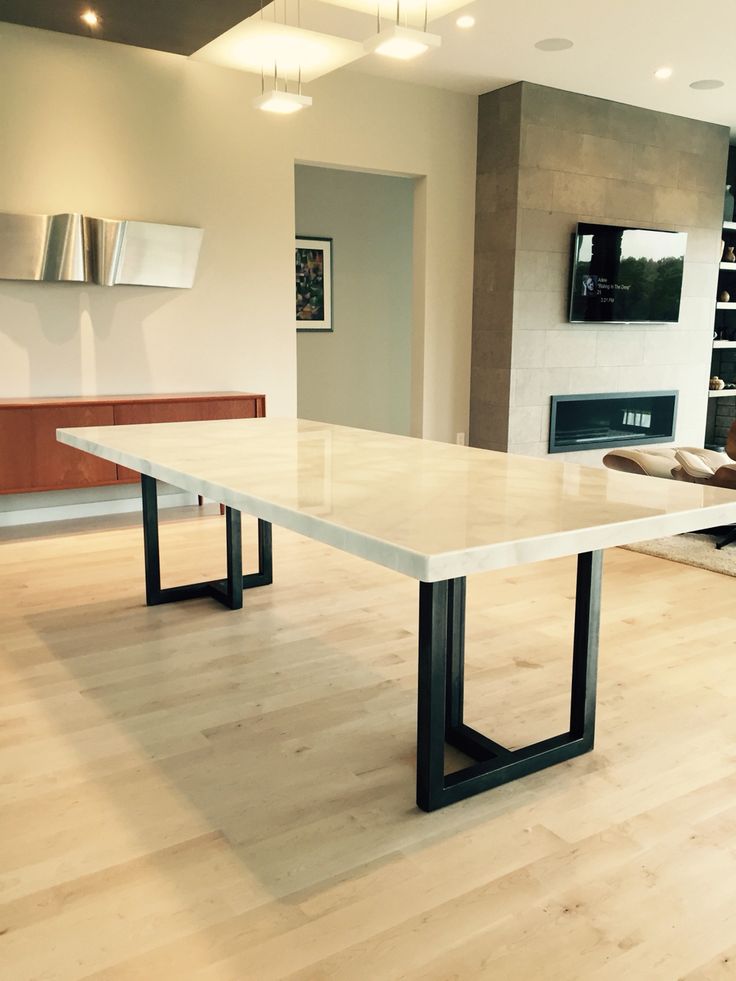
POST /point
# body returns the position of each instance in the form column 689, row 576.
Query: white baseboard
column 89, row 509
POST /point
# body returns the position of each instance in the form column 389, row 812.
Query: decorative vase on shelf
column 728, row 204
column 730, row 255
column 724, row 297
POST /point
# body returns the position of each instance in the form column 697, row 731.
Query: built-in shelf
column 724, row 393
column 729, row 226
column 724, row 344
column 728, row 266
column 725, row 306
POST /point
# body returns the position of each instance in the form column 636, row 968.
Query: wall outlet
column 460, row 439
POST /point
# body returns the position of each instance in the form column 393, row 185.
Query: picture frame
column 313, row 277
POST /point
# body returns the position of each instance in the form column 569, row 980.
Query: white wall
column 360, row 373
column 116, row 131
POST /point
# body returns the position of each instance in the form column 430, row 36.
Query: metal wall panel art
column 73, row 248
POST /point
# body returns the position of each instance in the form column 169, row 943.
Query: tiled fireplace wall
column 546, row 160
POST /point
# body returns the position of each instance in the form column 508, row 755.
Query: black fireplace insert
column 587, row 422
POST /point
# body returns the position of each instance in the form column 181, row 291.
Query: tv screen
column 626, row 275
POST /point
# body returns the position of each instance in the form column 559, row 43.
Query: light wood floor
column 189, row 792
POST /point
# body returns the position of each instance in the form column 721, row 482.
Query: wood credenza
column 32, row 460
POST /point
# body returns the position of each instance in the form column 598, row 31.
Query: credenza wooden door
column 31, row 459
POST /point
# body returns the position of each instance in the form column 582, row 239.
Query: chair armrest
column 700, row 463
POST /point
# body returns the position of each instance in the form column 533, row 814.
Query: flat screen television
column 626, row 275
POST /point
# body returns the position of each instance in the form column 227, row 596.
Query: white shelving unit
column 724, row 344
column 728, row 266
column 724, row 393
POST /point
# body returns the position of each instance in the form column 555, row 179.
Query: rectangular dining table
column 435, row 512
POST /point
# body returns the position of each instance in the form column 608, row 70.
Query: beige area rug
column 692, row 549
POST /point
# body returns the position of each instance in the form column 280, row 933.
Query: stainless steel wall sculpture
column 72, row 248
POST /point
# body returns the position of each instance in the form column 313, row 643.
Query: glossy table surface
column 429, row 510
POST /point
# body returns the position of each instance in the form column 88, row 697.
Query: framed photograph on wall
column 313, row 284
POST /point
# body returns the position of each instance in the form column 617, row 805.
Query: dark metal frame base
column 441, row 696
column 729, row 539
column 228, row 591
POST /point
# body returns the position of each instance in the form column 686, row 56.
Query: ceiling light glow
column 465, row 22
column 90, row 18
column 282, row 103
column 257, row 45
column 663, row 73
column 402, row 43
column 554, row 44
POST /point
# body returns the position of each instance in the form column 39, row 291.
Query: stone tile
column 578, row 193
column 528, row 349
column 543, row 231
column 491, row 349
column 529, row 449
column 490, row 385
column 654, row 165
column 493, row 311
column 526, row 424
column 673, row 204
column 565, row 110
column 676, row 347
column 632, row 124
column 488, row 425
column 486, row 193
column 536, row 188
column 549, row 148
column 690, row 135
column 496, row 232
column 696, row 311
column 701, row 279
column 499, row 124
column 571, row 348
column 596, row 380
column 538, row 310
column 629, row 201
column 619, row 346
column 701, row 173
column 496, row 191
column 604, row 158
column 703, row 244
column 540, row 271
column 710, row 209
column 536, row 386
column 494, row 271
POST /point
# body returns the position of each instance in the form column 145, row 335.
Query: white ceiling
column 617, row 48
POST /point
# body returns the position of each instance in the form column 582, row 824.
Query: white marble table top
column 429, row 510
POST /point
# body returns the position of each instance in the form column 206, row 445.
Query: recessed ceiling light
column 554, row 44
column 707, row 83
column 465, row 21
column 663, row 73
column 90, row 18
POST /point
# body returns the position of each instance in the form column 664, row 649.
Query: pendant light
column 400, row 42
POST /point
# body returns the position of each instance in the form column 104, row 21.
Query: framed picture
column 313, row 284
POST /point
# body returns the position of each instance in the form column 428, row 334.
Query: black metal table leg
column 728, row 539
column 228, row 591
column 441, row 696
